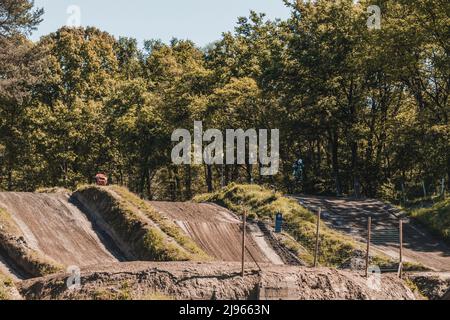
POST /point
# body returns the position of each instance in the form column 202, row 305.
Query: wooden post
column 400, row 267
column 369, row 236
column 424, row 187
column 244, row 222
column 316, row 252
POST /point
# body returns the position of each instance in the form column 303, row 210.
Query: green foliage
column 18, row 16
column 360, row 107
column 436, row 218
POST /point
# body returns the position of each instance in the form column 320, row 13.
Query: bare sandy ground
column 218, row 231
column 51, row 224
column 350, row 216
column 220, row 281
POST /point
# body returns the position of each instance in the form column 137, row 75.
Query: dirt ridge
column 205, row 281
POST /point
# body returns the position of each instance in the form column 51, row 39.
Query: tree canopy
column 365, row 109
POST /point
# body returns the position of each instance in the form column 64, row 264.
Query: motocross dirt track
column 350, row 216
column 55, row 226
column 218, row 231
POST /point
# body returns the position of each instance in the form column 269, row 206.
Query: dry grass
column 6, row 284
column 166, row 225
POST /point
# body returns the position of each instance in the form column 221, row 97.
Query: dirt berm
column 43, row 233
column 47, row 227
column 218, row 231
column 193, row 281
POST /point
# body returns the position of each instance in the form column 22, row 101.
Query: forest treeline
column 361, row 107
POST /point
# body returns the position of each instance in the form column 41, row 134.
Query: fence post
column 424, row 187
column 369, row 235
column 244, row 222
column 400, row 266
column 316, row 252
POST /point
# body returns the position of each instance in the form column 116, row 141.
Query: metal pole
column 244, row 222
column 316, row 253
column 369, row 236
column 400, row 268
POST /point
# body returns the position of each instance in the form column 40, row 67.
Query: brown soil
column 350, row 217
column 51, row 224
column 205, row 281
column 218, row 231
column 433, row 285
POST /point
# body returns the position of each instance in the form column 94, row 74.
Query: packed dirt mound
column 350, row 216
column 54, row 226
column 205, row 281
column 8, row 269
column 218, row 231
column 433, row 285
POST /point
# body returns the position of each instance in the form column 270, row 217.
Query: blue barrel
column 278, row 223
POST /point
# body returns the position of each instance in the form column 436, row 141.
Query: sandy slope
column 218, row 231
column 56, row 227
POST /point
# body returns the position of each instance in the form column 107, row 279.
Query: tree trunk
column 149, row 184
column 249, row 168
column 335, row 160
column 209, row 178
column 188, row 182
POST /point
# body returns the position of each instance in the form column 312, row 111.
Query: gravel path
column 350, row 216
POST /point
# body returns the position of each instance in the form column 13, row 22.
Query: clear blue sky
column 202, row 21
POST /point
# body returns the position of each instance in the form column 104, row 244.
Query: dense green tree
column 366, row 109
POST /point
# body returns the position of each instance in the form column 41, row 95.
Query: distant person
column 101, row 179
column 299, row 168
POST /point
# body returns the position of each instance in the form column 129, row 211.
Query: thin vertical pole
column 316, row 253
column 244, row 222
column 369, row 236
column 424, row 187
column 400, row 268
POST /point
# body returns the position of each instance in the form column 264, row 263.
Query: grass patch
column 294, row 247
column 54, row 190
column 123, row 293
column 436, row 218
column 166, row 225
column 6, row 284
column 335, row 249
